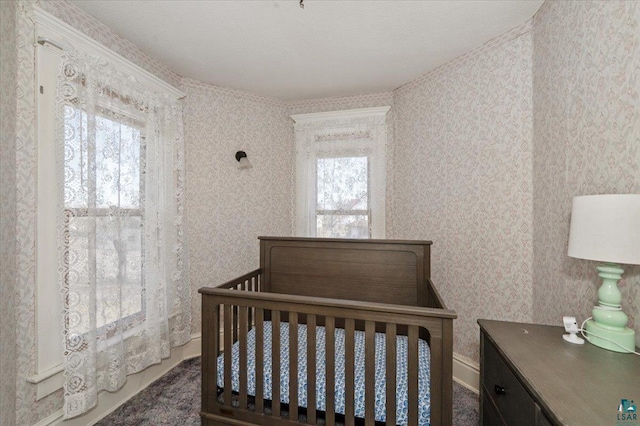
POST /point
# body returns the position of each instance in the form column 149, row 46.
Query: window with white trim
column 112, row 291
column 341, row 173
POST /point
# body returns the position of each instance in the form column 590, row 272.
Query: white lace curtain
column 122, row 256
column 340, row 174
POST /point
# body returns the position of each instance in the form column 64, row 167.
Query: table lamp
column 606, row 228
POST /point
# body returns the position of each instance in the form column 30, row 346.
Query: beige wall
column 463, row 180
column 8, row 79
column 586, row 141
column 228, row 208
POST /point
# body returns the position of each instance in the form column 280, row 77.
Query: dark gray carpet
column 174, row 400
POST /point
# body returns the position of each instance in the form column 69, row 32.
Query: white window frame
column 51, row 36
column 311, row 127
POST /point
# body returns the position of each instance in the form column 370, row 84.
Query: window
column 109, row 225
column 110, row 173
column 341, row 174
column 343, row 188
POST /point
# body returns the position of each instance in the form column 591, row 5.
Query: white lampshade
column 606, row 228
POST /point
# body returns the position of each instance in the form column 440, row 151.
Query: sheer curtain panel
column 122, row 255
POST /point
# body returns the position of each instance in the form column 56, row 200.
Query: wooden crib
column 318, row 289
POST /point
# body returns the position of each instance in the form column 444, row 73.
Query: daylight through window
column 342, row 209
column 105, row 223
column 341, row 173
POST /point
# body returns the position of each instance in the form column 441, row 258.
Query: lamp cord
column 583, row 330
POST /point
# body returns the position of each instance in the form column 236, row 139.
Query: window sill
column 48, row 381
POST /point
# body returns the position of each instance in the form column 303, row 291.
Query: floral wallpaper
column 229, row 208
column 485, row 155
column 8, row 78
column 586, row 141
column 463, row 135
column 80, row 20
column 340, row 103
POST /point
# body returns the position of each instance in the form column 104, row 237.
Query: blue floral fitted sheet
column 424, row 405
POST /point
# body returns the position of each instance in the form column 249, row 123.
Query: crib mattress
column 424, row 405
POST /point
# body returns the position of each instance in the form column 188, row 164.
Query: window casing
column 49, row 31
column 341, row 174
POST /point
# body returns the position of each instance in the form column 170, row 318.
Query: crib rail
column 228, row 316
column 249, row 282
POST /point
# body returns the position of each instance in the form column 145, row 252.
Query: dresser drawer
column 490, row 416
column 515, row 405
column 541, row 419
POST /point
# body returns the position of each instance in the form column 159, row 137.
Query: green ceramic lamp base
column 608, row 328
column 624, row 337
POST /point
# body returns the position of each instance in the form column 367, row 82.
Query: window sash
column 344, row 212
column 136, row 318
column 338, row 154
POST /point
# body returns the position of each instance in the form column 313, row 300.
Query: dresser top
column 574, row 384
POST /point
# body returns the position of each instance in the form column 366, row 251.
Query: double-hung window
column 343, row 195
column 104, row 216
column 112, row 290
column 341, row 174
column 102, row 195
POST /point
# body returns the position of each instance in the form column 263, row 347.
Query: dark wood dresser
column 530, row 376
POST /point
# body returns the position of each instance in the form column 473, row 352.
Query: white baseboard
column 54, row 418
column 466, row 373
column 193, row 348
column 109, row 401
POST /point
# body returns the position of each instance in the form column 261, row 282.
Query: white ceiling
column 329, row 48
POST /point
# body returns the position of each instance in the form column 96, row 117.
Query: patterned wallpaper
column 463, row 137
column 340, row 103
column 81, row 20
column 491, row 147
column 229, row 208
column 587, row 141
column 8, row 78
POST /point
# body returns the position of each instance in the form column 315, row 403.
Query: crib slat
column 228, row 322
column 259, row 361
column 221, row 329
column 251, row 310
column 242, row 334
column 413, row 374
column 370, row 373
column 349, row 348
column 235, row 323
column 311, row 369
column 390, row 335
column 275, row 359
column 293, row 366
column 331, row 371
column 210, row 350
